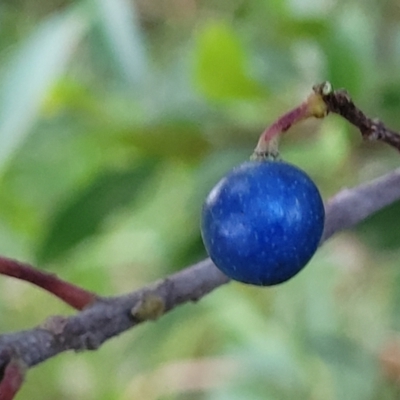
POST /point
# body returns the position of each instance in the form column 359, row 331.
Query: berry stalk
column 313, row 106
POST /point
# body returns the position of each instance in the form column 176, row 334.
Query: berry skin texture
column 262, row 222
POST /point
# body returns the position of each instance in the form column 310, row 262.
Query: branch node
column 149, row 307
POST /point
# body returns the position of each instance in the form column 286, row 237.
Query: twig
column 12, row 379
column 340, row 102
column 104, row 318
column 109, row 317
column 322, row 101
column 74, row 296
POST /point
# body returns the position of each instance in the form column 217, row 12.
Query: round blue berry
column 262, row 222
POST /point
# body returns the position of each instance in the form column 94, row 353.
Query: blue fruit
column 262, row 222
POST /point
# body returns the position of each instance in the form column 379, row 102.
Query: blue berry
column 262, row 222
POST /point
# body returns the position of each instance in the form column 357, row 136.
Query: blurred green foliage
column 118, row 116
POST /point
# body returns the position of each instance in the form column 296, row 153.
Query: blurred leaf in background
column 221, row 64
column 116, row 119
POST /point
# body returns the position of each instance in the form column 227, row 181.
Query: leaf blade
column 82, row 215
column 38, row 64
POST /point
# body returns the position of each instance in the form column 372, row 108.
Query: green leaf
column 84, row 213
column 344, row 65
column 172, row 139
column 353, row 368
column 303, row 28
column 33, row 72
column 220, row 67
column 122, row 31
column 374, row 230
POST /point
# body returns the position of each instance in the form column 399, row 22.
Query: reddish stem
column 313, row 106
column 74, row 296
column 13, row 378
column 285, row 122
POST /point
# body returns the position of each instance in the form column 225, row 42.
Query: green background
column 116, row 119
